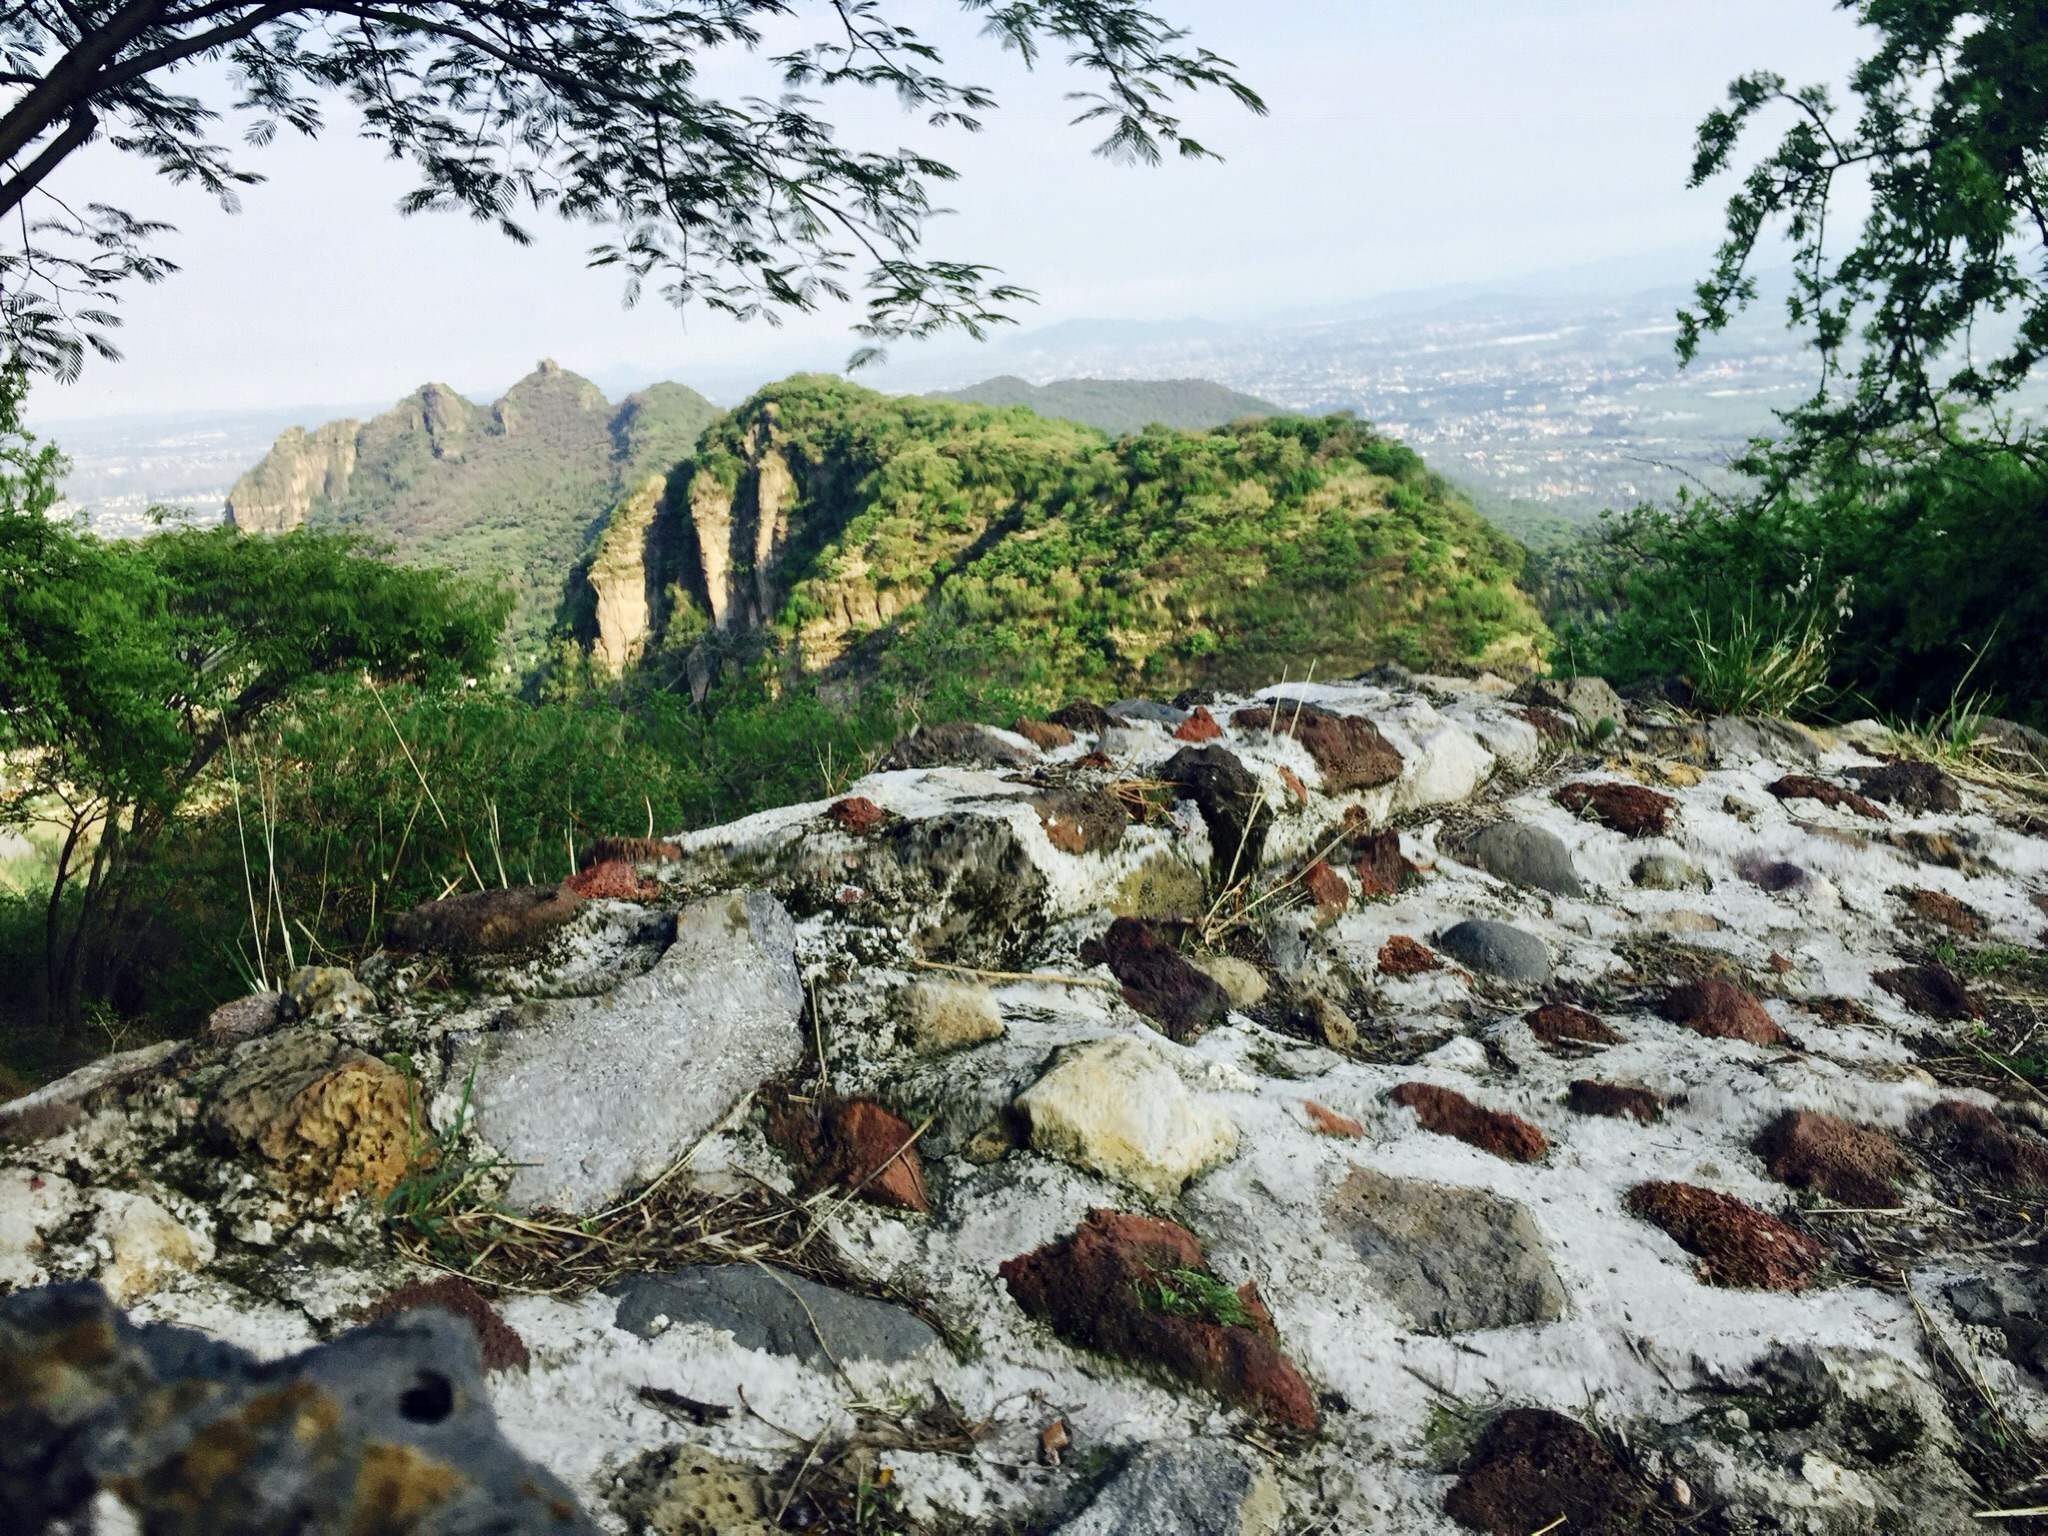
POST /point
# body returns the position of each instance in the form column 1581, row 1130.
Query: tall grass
column 1776, row 663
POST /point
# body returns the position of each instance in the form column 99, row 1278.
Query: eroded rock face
column 1116, row 1107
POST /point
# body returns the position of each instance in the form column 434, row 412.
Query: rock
column 333, row 1120
column 1733, row 740
column 1452, row 1114
column 1682, row 920
column 593, row 1095
column 1244, row 982
column 613, row 880
column 866, row 1151
column 1635, row 810
column 1327, row 1122
column 32, row 1206
column 1453, row 1259
column 2018, row 747
column 1555, row 729
column 1148, row 712
column 1338, row 1029
column 1200, row 725
column 1116, row 1107
column 1614, row 1100
column 55, row 1107
column 2013, row 1302
column 955, row 744
column 1533, row 1467
column 1557, row 1024
column 243, row 1019
column 386, row 1428
column 1737, row 1245
column 1668, row 872
column 1497, row 949
column 1326, row 888
column 1175, row 1490
column 1157, row 981
column 1232, row 804
column 630, row 850
column 1082, row 820
column 1721, row 1010
column 1912, row 787
column 1525, row 856
column 968, row 887
column 1402, row 956
column 1043, row 734
column 1777, row 876
column 684, row 1490
column 1977, row 1134
column 772, row 1310
column 1162, row 888
column 1588, row 700
column 946, row 1015
column 1102, row 1288
column 485, row 922
column 148, row 1245
column 857, row 814
column 1349, row 750
column 1804, row 786
column 1935, row 907
column 499, row 1346
column 1934, row 990
column 1847, row 1163
column 1083, row 716
column 1378, row 864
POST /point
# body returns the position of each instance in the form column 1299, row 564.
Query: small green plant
column 1190, row 1293
column 441, row 1184
column 1746, row 664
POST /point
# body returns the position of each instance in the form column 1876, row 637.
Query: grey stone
column 1525, row 856
column 1205, row 1489
column 243, row 1019
column 55, row 1107
column 772, row 1310
column 1497, row 949
column 1736, row 739
column 2018, row 746
column 200, row 1436
column 1450, row 1258
column 1148, row 709
column 1668, row 872
column 594, row 1095
column 957, row 744
column 2015, row 1302
column 1588, row 700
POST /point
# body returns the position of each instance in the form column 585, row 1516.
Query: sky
column 1409, row 145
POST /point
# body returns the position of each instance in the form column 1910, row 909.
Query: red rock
column 858, row 814
column 1737, row 1244
column 1934, row 990
column 1781, row 964
column 634, row 850
column 1348, row 749
column 1200, row 725
column 1947, row 911
column 1847, row 1163
column 1293, row 782
column 1804, row 786
column 1534, row 1469
column 1615, row 1100
column 1628, row 808
column 1720, row 1010
column 868, row 1151
column 1403, row 956
column 1553, row 726
column 1978, row 1134
column 1157, row 981
column 1379, row 865
column 1325, row 887
column 1452, row 1114
column 614, row 879
column 1092, row 1288
column 1559, row 1023
column 1327, row 1122
column 1043, row 734
column 497, row 1341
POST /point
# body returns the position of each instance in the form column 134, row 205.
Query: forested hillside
column 1120, row 405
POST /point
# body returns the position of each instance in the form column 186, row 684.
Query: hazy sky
column 1411, row 143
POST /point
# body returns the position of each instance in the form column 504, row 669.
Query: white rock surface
column 1116, row 1107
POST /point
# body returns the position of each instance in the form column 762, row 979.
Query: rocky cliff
column 1385, row 1106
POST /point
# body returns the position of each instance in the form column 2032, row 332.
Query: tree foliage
column 595, row 110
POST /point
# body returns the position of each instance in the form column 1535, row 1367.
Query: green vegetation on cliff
column 1117, row 406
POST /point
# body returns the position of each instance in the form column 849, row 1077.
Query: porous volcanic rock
column 1498, row 949
column 1525, row 856
column 499, row 1346
column 1491, row 1130
column 332, row 1119
column 1721, row 1010
column 1589, row 1096
column 1558, row 1024
column 1805, row 786
column 1534, row 1468
column 1200, row 725
column 1934, row 990
column 1403, row 956
column 1378, row 863
column 1937, row 907
column 1082, row 820
column 1228, row 795
column 1911, row 786
column 1327, row 1122
column 857, row 814
column 1848, row 1163
column 1778, row 876
column 1349, row 750
column 612, row 879
column 1158, row 981
column 1116, row 1106
column 956, row 743
column 1326, row 888
column 243, row 1019
column 1736, row 1244
column 485, row 922
column 865, row 1150
column 1093, row 1288
column 1635, row 810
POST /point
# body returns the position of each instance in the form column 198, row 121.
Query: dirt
column 1934, row 990
column 497, row 1341
column 1912, row 787
column 1348, row 749
column 1535, row 1470
column 857, row 814
column 1157, row 981
column 1935, row 907
column 1403, row 956
column 1043, row 734
column 1631, row 809
column 1200, row 725
column 1721, row 1010
column 1736, row 1244
column 1850, row 1164
column 1805, row 786
column 1491, row 1130
column 1557, row 1024
column 1618, row 1101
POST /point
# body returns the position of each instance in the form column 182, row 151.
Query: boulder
column 485, row 922
column 55, row 1107
column 956, row 744
column 1403, row 956
column 1807, row 786
column 1349, row 750
column 1042, row 734
column 1232, row 804
column 146, row 1245
column 1616, row 1101
column 1148, row 712
column 1588, row 700
column 1525, row 856
column 1777, row 876
column 1082, row 715
column 857, row 814
column 590, row 1096
column 1733, row 740
column 772, row 1310
column 1116, row 1107
column 946, row 1015
column 1157, row 981
column 1668, row 872
column 1200, row 725
column 1452, row 1259
column 1184, row 1490
column 1377, row 862
column 1498, row 949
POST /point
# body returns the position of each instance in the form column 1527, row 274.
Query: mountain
column 509, row 491
column 842, row 530
column 1117, row 406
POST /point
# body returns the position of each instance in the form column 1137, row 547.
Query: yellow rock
column 945, row 1015
column 148, row 1245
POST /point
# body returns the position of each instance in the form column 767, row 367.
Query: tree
column 594, row 109
column 127, row 668
column 1939, row 304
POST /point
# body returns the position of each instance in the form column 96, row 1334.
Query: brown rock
column 1043, row 734
column 1782, row 964
column 614, row 879
column 1098, row 1289
column 1157, row 981
column 633, row 850
column 1934, row 990
column 1452, row 1114
column 1294, row 785
column 1973, row 1132
column 243, row 1019
column 1534, row 1469
column 1845, row 1162
column 1721, row 1010
column 868, row 1151
column 1555, row 728
column 1560, row 1023
column 1805, row 786
column 1633, row 809
column 1935, row 907
column 1325, row 887
column 1838, row 1011
column 333, row 1120
column 1403, row 956
column 1200, row 725
column 1912, row 787
column 1327, row 1122
column 955, row 743
column 1934, row 848
column 1379, row 865
column 1615, row 1100
column 1737, row 1244
column 1348, row 749
column 1081, row 715
column 857, row 814
column 497, row 1341
column 485, row 922
column 1082, row 820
